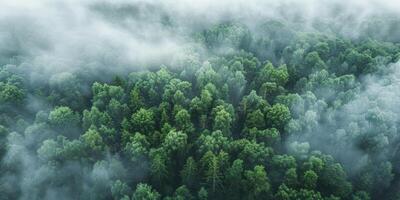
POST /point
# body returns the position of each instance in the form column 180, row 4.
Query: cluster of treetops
column 209, row 126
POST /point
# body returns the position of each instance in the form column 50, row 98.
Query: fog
column 55, row 36
column 49, row 40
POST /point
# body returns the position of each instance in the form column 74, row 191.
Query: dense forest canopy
column 195, row 100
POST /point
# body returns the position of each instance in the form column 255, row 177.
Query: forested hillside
column 272, row 109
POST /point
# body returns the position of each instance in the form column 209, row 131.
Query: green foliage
column 175, row 141
column 291, row 178
column 10, row 94
column 235, row 179
column 62, row 117
column 137, row 148
column 189, row 173
column 104, row 93
column 213, row 164
column 158, row 167
column 227, row 35
column 143, row 121
column 93, row 141
column 257, row 183
column 144, row 191
column 183, row 121
column 255, row 119
column 120, row 189
column 310, row 179
column 222, row 120
column 278, row 114
column 213, row 142
column 96, row 118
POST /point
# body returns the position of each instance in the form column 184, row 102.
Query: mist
column 53, row 54
column 66, row 36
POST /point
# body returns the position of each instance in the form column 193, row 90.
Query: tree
column 270, row 137
column 117, row 111
column 269, row 90
column 314, row 62
column 228, row 36
column 255, row 119
column 361, row 195
column 235, row 180
column 110, row 136
column 183, row 121
column 236, row 83
column 374, row 178
column 252, row 102
column 285, row 193
column 268, row 73
column 137, row 148
column 222, row 121
column 277, row 116
column 182, row 193
column 202, row 194
column 120, row 189
column 158, row 167
column 136, row 100
column 205, row 75
column 143, row 121
column 189, row 173
column 96, row 118
column 251, row 152
column 174, row 87
column 315, row 164
column 257, row 183
column 103, row 93
column 212, row 166
column 63, row 117
column 72, row 150
column 206, row 98
column 334, row 177
column 359, row 60
column 322, row 48
column 308, row 194
column 144, row 191
column 175, row 141
column 11, row 94
column 213, row 142
column 284, row 169
column 49, row 150
column 310, row 179
column 93, row 141
column 66, row 89
column 291, row 178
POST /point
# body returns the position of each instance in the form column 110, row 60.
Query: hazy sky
column 59, row 36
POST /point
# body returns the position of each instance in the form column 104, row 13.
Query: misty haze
column 197, row 100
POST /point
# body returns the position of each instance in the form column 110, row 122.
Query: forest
column 133, row 101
